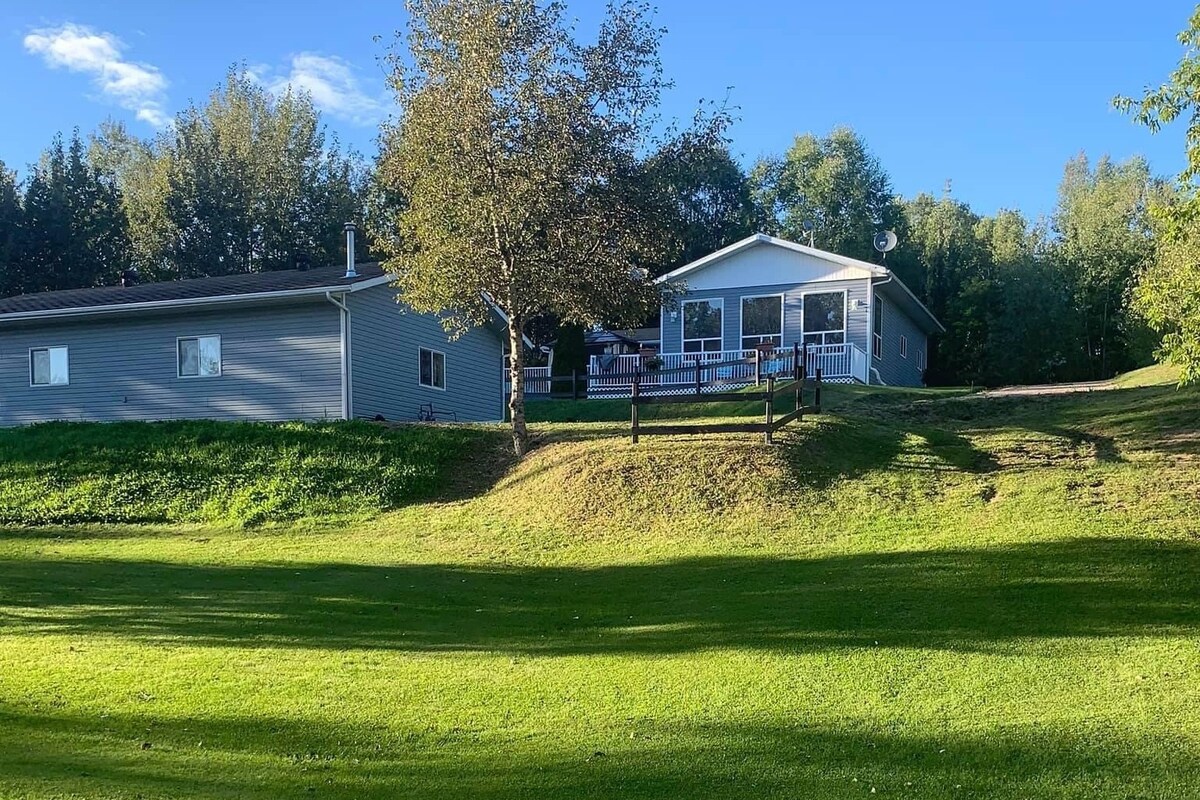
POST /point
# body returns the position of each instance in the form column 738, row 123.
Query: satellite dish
column 885, row 241
column 808, row 225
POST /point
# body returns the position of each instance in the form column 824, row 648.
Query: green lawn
column 917, row 594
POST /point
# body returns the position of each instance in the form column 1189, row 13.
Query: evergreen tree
column 12, row 223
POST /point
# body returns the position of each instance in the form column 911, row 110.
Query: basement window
column 49, row 366
column 432, row 368
column 199, row 356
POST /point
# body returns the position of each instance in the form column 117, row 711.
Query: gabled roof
column 278, row 284
column 883, row 277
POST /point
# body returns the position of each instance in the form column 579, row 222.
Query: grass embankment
column 243, row 473
column 912, row 596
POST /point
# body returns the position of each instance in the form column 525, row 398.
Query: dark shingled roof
column 191, row 289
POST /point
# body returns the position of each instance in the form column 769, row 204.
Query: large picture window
column 762, row 321
column 825, row 318
column 702, row 326
column 199, row 356
column 49, row 366
column 432, row 368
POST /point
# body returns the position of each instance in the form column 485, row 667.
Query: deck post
column 757, row 366
column 770, row 401
column 633, row 406
column 817, row 398
column 697, row 360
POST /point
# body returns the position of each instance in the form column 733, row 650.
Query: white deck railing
column 609, row 375
column 837, row 362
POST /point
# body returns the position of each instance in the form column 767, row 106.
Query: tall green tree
column 1104, row 238
column 75, row 233
column 253, row 181
column 517, row 152
column 941, row 258
column 833, row 184
column 140, row 169
column 702, row 197
column 12, row 224
column 1167, row 292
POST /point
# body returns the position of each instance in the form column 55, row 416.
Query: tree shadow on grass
column 969, row 600
column 266, row 757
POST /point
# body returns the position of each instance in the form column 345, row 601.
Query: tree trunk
column 516, row 398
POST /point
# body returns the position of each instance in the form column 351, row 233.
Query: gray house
column 329, row 343
column 857, row 322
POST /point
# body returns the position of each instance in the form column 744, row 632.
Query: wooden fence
column 773, row 394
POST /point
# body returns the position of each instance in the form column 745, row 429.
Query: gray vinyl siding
column 894, row 369
column 278, row 362
column 857, row 320
column 384, row 340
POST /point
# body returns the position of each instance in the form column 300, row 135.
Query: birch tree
column 515, row 155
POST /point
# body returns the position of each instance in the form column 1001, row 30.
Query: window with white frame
column 825, row 318
column 431, row 368
column 762, row 321
column 49, row 366
column 921, row 358
column 199, row 356
column 702, row 325
column 903, row 346
column 877, row 329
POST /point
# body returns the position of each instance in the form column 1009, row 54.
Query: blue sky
column 994, row 96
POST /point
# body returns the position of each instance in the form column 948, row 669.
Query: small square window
column 199, row 356
column 432, row 368
column 49, row 366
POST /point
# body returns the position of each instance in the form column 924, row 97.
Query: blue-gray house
column 856, row 320
column 329, row 343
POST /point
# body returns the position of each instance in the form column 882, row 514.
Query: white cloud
column 332, row 84
column 137, row 87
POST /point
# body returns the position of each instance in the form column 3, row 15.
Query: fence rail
column 769, row 398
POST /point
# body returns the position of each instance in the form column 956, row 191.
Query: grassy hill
column 916, row 594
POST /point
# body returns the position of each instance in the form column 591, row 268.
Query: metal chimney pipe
column 349, row 228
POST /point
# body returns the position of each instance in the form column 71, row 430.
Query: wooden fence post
column 633, row 406
column 770, row 401
column 574, row 385
column 757, row 367
column 697, row 360
column 817, row 398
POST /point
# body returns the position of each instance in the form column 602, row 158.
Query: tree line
column 550, row 190
column 245, row 182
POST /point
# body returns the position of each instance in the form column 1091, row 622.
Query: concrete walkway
column 1049, row 388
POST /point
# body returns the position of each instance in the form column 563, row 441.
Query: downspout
column 347, row 395
column 871, row 351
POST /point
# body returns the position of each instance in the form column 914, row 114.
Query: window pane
column 692, row 347
column 835, row 338
column 825, row 312
column 189, row 357
column 58, row 366
column 426, row 365
column 209, row 355
column 439, row 370
column 762, row 316
column 878, row 322
column 814, row 338
column 701, row 320
column 41, row 367
column 712, row 345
